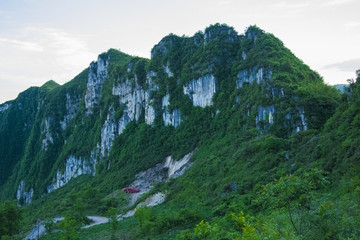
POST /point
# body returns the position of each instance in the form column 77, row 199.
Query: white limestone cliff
column 302, row 124
column 4, row 107
column 265, row 114
column 74, row 167
column 108, row 133
column 168, row 71
column 170, row 118
column 97, row 75
column 259, row 75
column 48, row 139
column 72, row 106
column 21, row 194
column 201, row 91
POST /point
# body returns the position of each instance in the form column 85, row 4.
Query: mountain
column 236, row 110
column 341, row 87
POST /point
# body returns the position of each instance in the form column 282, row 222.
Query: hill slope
column 251, row 109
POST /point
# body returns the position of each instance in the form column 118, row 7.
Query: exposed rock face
column 169, row 168
column 149, row 108
column 224, row 32
column 253, row 34
column 168, row 71
column 72, row 106
column 47, row 138
column 134, row 101
column 153, row 200
column 302, row 124
column 74, row 167
column 162, row 48
column 253, row 75
column 277, row 93
column 243, row 55
column 22, row 194
column 132, row 98
column 4, row 107
column 265, row 114
column 173, row 118
column 201, row 90
column 108, row 133
column 97, row 74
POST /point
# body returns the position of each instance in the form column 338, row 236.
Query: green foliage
column 49, row 225
column 69, row 228
column 297, row 196
column 10, row 219
column 144, row 216
column 111, row 213
column 235, row 158
column 203, row 230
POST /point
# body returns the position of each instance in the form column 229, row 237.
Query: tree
column 49, row 225
column 10, row 219
column 203, row 230
column 69, row 227
column 296, row 195
column 111, row 214
column 242, row 223
column 145, row 218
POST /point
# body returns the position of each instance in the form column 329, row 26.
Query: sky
column 43, row 40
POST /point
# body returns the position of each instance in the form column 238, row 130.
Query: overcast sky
column 51, row 39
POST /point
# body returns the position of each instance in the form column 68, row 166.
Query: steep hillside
column 249, row 109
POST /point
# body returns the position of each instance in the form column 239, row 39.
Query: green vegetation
column 252, row 177
column 10, row 218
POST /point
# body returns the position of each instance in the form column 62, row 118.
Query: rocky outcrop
column 74, row 167
column 97, row 75
column 48, row 139
column 301, row 125
column 170, row 118
column 149, row 104
column 163, row 47
column 259, row 75
column 72, row 106
column 168, row 71
column 134, row 100
column 202, row 90
column 277, row 92
column 4, row 107
column 108, row 133
column 153, row 200
column 265, row 114
column 169, row 168
column 22, row 195
column 243, row 55
column 220, row 32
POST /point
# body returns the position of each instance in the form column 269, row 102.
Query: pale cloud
column 286, row 5
column 68, row 50
column 223, row 2
column 351, row 25
column 31, row 56
column 337, row 2
column 24, row 45
column 347, row 66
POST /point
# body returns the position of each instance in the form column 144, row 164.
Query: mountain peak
column 51, row 84
column 220, row 32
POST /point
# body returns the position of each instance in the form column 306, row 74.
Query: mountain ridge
column 138, row 85
column 241, row 100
